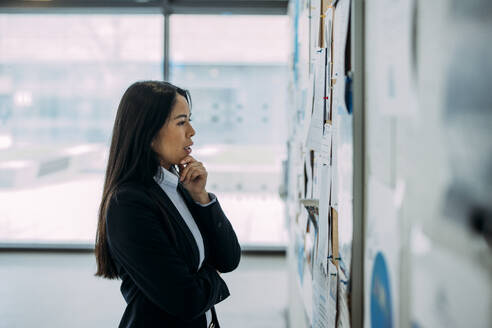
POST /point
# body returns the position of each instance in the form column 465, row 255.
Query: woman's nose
column 191, row 131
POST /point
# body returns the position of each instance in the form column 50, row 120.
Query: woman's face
column 173, row 142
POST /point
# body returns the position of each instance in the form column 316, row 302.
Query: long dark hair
column 143, row 110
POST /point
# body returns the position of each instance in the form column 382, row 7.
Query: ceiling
column 257, row 7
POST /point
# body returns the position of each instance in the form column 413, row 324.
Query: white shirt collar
column 169, row 178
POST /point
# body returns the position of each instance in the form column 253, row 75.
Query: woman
column 158, row 229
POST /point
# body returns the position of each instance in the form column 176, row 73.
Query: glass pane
column 61, row 78
column 236, row 70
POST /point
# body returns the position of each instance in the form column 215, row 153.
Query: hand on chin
column 193, row 176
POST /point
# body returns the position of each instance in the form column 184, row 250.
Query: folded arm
column 139, row 242
column 224, row 248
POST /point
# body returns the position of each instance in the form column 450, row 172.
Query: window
column 236, row 70
column 61, row 78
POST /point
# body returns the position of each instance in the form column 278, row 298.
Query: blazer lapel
column 176, row 217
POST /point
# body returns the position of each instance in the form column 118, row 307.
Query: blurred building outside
column 61, row 78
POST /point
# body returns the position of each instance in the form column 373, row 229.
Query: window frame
column 153, row 7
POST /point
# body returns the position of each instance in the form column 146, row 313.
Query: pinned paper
column 308, row 173
column 315, row 128
column 327, row 110
column 308, row 108
column 321, row 307
column 334, row 235
column 315, row 20
column 321, row 30
column 312, row 232
column 325, row 297
column 325, row 153
column 392, row 48
column 335, row 175
column 324, row 215
column 328, row 34
column 332, row 294
column 316, row 177
column 340, row 33
column 343, row 306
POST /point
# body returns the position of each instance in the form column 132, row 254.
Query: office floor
column 59, row 290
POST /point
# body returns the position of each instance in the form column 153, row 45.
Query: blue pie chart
column 381, row 311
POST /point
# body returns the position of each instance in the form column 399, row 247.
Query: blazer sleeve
column 224, row 248
column 139, row 242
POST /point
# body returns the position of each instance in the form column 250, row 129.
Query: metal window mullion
column 166, row 11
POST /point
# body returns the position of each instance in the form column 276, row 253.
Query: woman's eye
column 183, row 122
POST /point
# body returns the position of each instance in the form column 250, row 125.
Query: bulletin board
column 426, row 189
column 320, row 148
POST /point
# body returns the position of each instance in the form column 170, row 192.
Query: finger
column 195, row 172
column 187, row 169
column 187, row 160
column 183, row 170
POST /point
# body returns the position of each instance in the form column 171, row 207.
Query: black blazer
column 160, row 282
